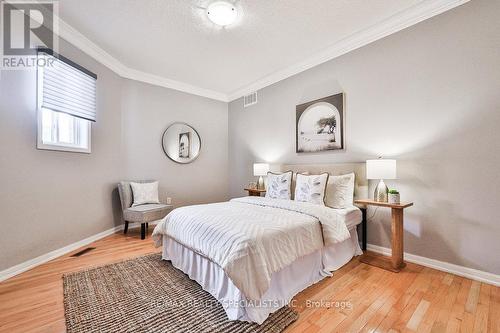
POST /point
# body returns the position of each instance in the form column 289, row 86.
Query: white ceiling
column 173, row 39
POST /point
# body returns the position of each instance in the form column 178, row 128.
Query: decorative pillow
column 145, row 193
column 340, row 191
column 294, row 180
column 279, row 185
column 311, row 188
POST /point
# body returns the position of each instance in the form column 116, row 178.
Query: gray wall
column 52, row 199
column 427, row 96
column 147, row 112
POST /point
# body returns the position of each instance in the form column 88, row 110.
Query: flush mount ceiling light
column 222, row 13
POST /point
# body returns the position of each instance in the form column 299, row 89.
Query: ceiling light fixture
column 222, row 13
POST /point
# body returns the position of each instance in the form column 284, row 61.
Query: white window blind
column 67, row 87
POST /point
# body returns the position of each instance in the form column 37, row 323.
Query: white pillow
column 311, row 188
column 340, row 191
column 279, row 185
column 145, row 193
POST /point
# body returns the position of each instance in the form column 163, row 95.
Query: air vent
column 250, row 99
column 82, row 252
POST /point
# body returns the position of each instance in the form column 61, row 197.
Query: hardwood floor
column 358, row 298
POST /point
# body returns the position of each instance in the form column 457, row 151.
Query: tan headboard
column 359, row 169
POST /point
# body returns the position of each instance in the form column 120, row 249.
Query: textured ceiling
column 174, row 39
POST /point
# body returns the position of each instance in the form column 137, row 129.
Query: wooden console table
column 396, row 262
column 255, row 192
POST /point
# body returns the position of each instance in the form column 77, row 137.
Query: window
column 66, row 104
column 60, row 130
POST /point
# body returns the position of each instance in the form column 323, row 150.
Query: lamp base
column 381, row 192
column 260, row 184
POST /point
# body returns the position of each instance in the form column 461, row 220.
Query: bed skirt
column 285, row 284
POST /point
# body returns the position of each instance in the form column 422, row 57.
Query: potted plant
column 393, row 197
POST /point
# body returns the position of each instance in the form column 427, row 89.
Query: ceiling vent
column 250, row 99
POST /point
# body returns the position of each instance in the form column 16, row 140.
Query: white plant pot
column 393, row 198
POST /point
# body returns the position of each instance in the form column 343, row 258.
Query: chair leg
column 126, row 227
column 147, row 226
column 143, row 230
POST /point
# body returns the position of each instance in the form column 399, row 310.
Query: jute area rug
column 148, row 294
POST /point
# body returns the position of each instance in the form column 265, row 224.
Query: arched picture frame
column 320, row 125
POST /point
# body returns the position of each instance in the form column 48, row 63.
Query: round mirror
column 181, row 143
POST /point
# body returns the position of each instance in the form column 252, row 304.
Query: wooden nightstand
column 396, row 262
column 253, row 192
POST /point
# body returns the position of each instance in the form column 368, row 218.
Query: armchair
column 142, row 214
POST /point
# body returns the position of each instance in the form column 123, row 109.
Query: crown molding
column 77, row 39
column 404, row 19
column 136, row 75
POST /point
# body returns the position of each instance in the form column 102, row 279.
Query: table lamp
column 381, row 169
column 259, row 170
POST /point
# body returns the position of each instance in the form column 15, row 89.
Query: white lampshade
column 381, row 169
column 260, row 169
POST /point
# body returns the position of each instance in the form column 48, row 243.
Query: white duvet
column 253, row 237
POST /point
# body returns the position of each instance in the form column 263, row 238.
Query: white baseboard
column 23, row 267
column 27, row 265
column 470, row 273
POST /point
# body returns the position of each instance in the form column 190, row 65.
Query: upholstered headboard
column 359, row 169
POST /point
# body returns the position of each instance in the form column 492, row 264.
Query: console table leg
column 397, row 239
column 363, row 230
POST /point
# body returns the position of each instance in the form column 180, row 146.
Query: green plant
column 393, row 191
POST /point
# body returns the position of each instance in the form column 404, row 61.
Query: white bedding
column 284, row 285
column 351, row 216
column 251, row 238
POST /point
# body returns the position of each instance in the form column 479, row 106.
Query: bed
column 254, row 254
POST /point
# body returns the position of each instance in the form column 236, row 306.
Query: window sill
column 43, row 146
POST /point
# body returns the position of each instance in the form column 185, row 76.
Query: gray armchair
column 142, row 214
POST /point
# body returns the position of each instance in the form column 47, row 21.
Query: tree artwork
column 327, row 125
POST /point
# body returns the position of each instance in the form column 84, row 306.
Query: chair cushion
column 146, row 213
column 125, row 191
column 144, row 193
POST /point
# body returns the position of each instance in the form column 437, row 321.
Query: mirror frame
column 163, row 146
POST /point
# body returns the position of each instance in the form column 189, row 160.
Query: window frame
column 66, row 147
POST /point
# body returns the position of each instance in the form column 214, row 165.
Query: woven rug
column 148, row 294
